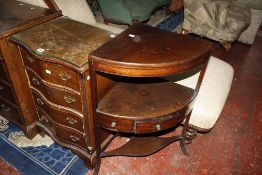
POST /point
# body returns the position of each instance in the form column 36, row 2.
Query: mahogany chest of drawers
column 16, row 103
column 55, row 58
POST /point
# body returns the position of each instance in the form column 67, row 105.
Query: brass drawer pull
column 69, row 99
column 64, row 76
column 74, row 138
column 158, row 127
column 43, row 119
column 30, row 59
column 5, row 108
column 35, row 81
column 1, row 87
column 39, row 101
column 71, row 120
column 113, row 124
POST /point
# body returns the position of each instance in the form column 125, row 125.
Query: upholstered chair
column 129, row 11
column 211, row 97
column 219, row 20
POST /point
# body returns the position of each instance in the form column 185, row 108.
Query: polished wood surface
column 64, row 40
column 147, row 51
column 16, row 16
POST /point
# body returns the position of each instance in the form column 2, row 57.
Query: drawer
column 71, row 137
column 45, row 120
column 53, row 73
column 61, row 116
column 115, row 123
column 3, row 73
column 10, row 112
column 158, row 124
column 6, row 92
column 56, row 95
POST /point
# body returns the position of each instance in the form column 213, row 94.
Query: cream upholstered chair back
column 75, row 9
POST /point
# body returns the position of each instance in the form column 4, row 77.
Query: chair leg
column 227, row 46
column 190, row 134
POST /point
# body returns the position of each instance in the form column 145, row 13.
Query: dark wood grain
column 146, row 51
column 17, row 16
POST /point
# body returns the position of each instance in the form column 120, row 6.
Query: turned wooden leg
column 190, row 134
column 227, row 46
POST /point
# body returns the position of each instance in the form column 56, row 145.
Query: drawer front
column 60, row 116
column 115, row 124
column 10, row 112
column 158, row 124
column 6, row 92
column 3, row 73
column 45, row 120
column 53, row 73
column 71, row 137
column 58, row 96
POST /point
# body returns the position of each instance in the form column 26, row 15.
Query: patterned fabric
column 220, row 20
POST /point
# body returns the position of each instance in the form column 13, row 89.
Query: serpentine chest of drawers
column 16, row 103
column 55, row 57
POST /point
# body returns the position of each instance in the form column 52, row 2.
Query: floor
column 234, row 146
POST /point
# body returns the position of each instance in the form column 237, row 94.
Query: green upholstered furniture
column 129, row 11
column 219, row 20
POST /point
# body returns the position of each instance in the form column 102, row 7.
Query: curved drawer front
column 53, row 73
column 141, row 126
column 61, row 97
column 70, row 136
column 3, row 74
column 6, row 92
column 45, row 120
column 60, row 116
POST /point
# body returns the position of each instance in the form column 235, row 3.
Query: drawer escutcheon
column 64, row 76
column 69, row 99
column 71, row 120
column 35, row 81
column 74, row 138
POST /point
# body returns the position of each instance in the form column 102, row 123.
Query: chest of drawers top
column 63, row 41
column 16, row 16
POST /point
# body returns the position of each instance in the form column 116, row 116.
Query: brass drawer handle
column 39, row 101
column 43, row 119
column 74, row 138
column 64, row 76
column 5, row 108
column 29, row 58
column 158, row 127
column 69, row 99
column 35, row 81
column 1, row 87
column 113, row 124
column 71, row 120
